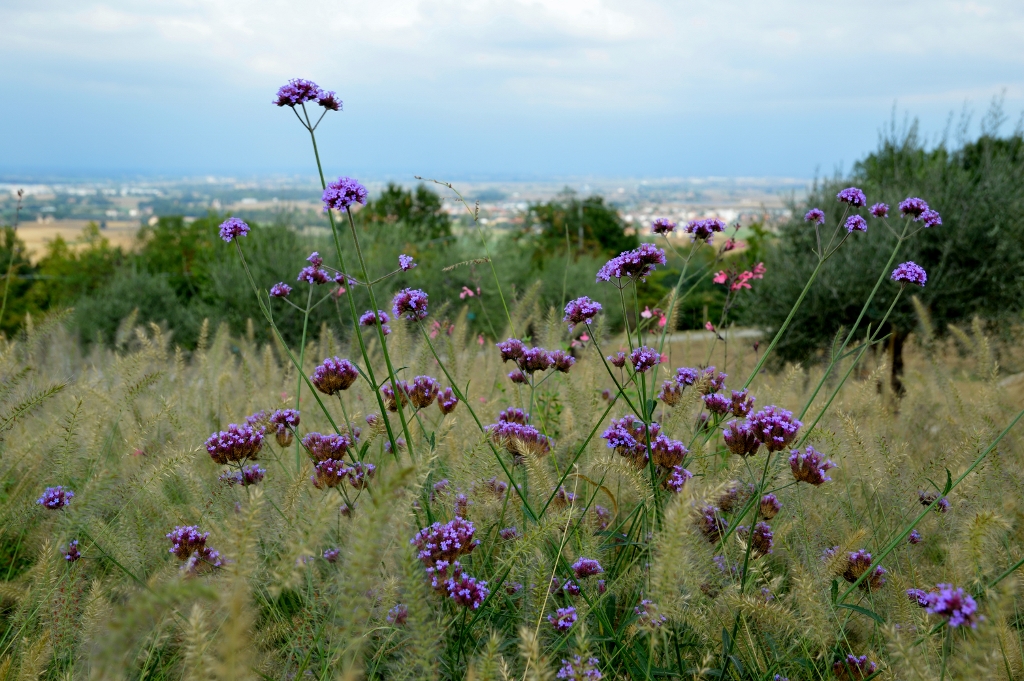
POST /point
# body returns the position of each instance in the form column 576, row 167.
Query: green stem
column 302, row 363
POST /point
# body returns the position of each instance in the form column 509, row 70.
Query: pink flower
column 759, row 270
column 339, row 292
column 720, row 277
column 480, row 340
column 466, row 293
column 584, row 338
column 663, row 320
column 664, row 358
column 730, row 244
column 709, row 326
column 647, row 314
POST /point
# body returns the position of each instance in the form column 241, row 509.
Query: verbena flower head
column 741, row 438
column 913, row 206
column 284, row 418
column 635, row 265
column 399, row 442
column 405, row 262
column 853, row 668
column 370, row 318
column 334, row 375
column 394, row 394
column 703, row 230
column 671, row 393
column 535, row 359
column 188, row 543
column 517, row 376
column 769, row 506
column 586, row 567
column 423, row 391
column 717, row 403
column 927, row 498
column 810, row 466
column 563, row 619
column 852, row 196
column 761, row 540
column 447, row 401
column 910, row 273
column 952, row 603
column 232, row 228
column 578, row 669
column 71, row 552
column 644, row 358
column 467, row 591
column 628, row 437
column 914, row 537
column 687, row 376
column 314, row 275
column 617, row 360
column 518, row 439
column 662, row 226
column 711, row 523
column 512, row 348
column 280, row 290
column 880, row 210
column 676, row 479
column 439, row 545
column 918, row 596
column 299, row 91
column 508, row 533
column 648, row 616
column 360, row 473
column 561, row 360
column 857, row 564
column 930, row 218
column 54, row 498
column 668, row 453
column 332, row 555
column 342, row 193
column 710, row 382
column 734, row 495
column 742, row 403
column 398, row 615
column 410, row 303
column 815, row 215
column 235, row 444
column 324, row 447
column 856, row 223
column 514, row 415
column 251, row 475
column 774, row 427
column 581, row 311
column 329, row 473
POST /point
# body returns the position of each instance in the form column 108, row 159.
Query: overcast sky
column 497, row 89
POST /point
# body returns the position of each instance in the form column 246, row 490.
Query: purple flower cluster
column 467, row 591
column 644, row 358
column 440, row 544
column 563, row 619
column 711, row 523
column 332, row 555
column 815, row 215
column 852, row 196
column 54, row 498
column 327, row 447
column 512, row 348
column 581, row 311
column 405, row 262
column 914, row 537
column 769, row 506
column 676, row 479
column 668, row 453
column 578, row 669
column 717, row 403
column 707, row 380
column 857, row 563
column 586, row 567
column 954, row 604
column 393, row 395
column 398, row 615
column 774, row 427
column 628, row 436
column 299, row 91
column 671, row 393
column 447, row 401
column 635, row 265
column 71, row 552
column 371, row 318
column 188, row 543
column 249, row 475
column 235, row 444
column 856, row 223
column 285, row 421
column 314, row 273
column 532, row 360
column 232, row 228
column 913, row 207
column 853, row 668
column 561, row 360
column 334, row 375
column 931, row 218
column 360, row 473
column 662, row 226
column 703, row 230
column 342, row 193
column 927, row 498
column 879, row 210
column 329, row 473
column 423, row 391
column 740, row 438
column 762, row 540
column 647, row 615
column 742, row 403
column 910, row 273
column 519, row 439
column 810, row 466
column 280, row 290
column 410, row 303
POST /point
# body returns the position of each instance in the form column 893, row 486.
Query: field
column 323, row 583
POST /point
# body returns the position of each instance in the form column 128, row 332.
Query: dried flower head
column 342, row 193
column 447, row 401
column 423, row 391
column 232, row 228
column 671, row 393
column 770, row 506
column 857, row 564
column 334, row 375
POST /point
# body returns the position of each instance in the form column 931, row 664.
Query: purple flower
column 734, row 495
column 769, row 506
column 928, row 497
column 956, row 606
column 467, row 591
column 334, row 375
column 762, row 540
column 644, row 358
column 914, row 537
column 703, row 230
column 711, row 381
column 235, row 444
column 342, row 193
column 405, row 262
column 564, row 498
column 495, row 486
column 686, row 376
column 517, row 376
column 581, row 311
column 251, row 475
column 856, row 223
column 930, row 218
column 328, row 100
column 299, row 91
column 774, row 427
column 710, row 522
column 440, row 544
column 398, row 615
column 628, row 437
column 676, row 479
column 327, row 447
column 910, row 273
column 913, row 206
column 647, row 615
column 586, row 567
column 423, row 391
column 410, row 303
column 668, row 453
column 447, row 401
column 71, row 553
column 55, row 497
column 578, row 669
column 815, row 215
column 561, row 360
column 563, row 619
column 671, row 393
column 519, row 439
column 512, row 348
column 188, row 543
column 853, row 668
column 332, row 555
column 393, row 394
column 808, row 466
column 662, row 226
column 232, row 228
column 280, row 290
column 360, row 473
column 852, row 196
column 514, row 415
column 535, row 359
column 857, row 563
column 313, row 275
column 369, row 318
column 632, row 265
column 742, row 403
column 618, row 359
column 509, row 533
column 329, row 473
column 741, row 438
column 717, row 403
column 879, row 210
column 919, row 596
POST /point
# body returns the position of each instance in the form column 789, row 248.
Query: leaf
column 835, row 590
column 949, row 483
column 864, row 611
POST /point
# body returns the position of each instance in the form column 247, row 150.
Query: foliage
column 418, row 213
column 590, row 226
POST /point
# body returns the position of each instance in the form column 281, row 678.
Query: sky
column 494, row 89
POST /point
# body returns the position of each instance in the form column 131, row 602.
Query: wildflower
column 879, row 210
column 617, row 360
column 671, row 393
column 774, row 427
column 770, row 506
column 668, row 453
column 628, row 437
column 285, row 421
column 710, row 522
column 703, row 230
column 329, row 473
column 334, row 375
column 852, row 196
column 561, row 360
column 662, row 226
column 928, row 497
column 188, row 543
column 280, row 290
column 635, row 265
column 603, row 515
column 563, row 619
column 601, row 586
column 313, row 275
column 815, row 215
column 342, row 193
column 405, row 262
column 535, row 359
column 497, row 487
column 676, row 479
column 54, row 498
column 742, row 403
column 717, row 403
column 586, row 567
column 956, row 606
column 235, row 444
column 410, row 303
column 514, row 415
column 647, row 615
column 910, row 273
column 686, row 376
column 512, row 588
column 930, row 218
column 332, row 555
column 323, row 447
column 251, row 475
column 517, row 376
column 71, row 553
column 914, row 537
column 644, row 358
column 423, row 391
column 232, row 228
column 571, row 588
column 733, row 496
column 762, row 540
column 512, row 348
column 440, row 544
column 360, row 473
column 564, row 498
column 578, row 669
column 581, row 311
column 853, row 668
column 371, row 318
column 808, row 466
column 856, row 223
column 913, row 206
column 857, row 564
column 509, row 533
column 711, row 381
column 447, row 401
column 398, row 615
column 298, row 91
